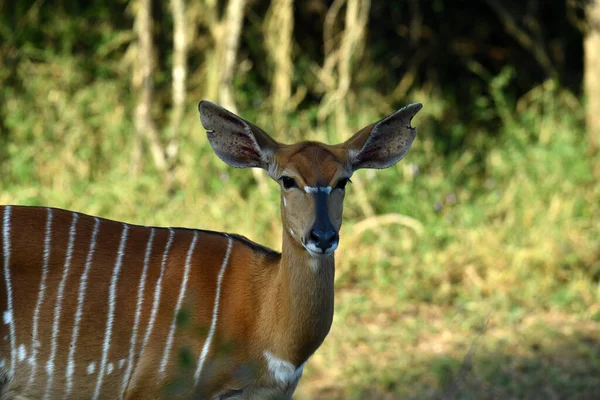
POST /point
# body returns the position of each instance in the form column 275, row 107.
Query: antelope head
column 312, row 175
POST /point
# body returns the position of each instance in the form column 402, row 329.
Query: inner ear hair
column 385, row 142
column 235, row 140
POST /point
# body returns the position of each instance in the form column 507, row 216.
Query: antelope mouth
column 316, row 251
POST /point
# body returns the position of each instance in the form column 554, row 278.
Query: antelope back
column 90, row 306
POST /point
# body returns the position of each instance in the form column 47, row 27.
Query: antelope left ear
column 383, row 143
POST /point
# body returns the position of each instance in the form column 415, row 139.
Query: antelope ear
column 383, row 143
column 236, row 141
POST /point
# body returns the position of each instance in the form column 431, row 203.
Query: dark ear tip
column 413, row 108
column 206, row 109
column 410, row 111
column 204, row 105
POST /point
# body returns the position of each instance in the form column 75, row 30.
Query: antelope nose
column 323, row 239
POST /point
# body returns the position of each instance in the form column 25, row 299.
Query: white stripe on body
column 157, row 292
column 35, row 343
column 111, row 310
column 184, row 281
column 22, row 352
column 58, row 306
column 215, row 315
column 79, row 311
column 8, row 314
column 138, row 314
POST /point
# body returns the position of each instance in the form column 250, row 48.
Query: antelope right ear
column 383, row 143
column 236, row 141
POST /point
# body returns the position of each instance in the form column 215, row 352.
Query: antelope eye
column 342, row 183
column 288, row 182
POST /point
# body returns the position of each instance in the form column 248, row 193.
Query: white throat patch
column 284, row 372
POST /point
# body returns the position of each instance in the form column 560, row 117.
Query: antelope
column 94, row 308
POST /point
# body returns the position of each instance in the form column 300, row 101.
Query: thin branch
column 409, row 77
column 378, row 221
column 328, row 27
column 536, row 47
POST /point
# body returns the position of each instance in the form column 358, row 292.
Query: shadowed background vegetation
column 469, row 270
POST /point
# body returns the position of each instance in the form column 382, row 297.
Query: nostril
column 330, row 236
column 315, row 235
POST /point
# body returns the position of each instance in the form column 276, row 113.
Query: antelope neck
column 306, row 282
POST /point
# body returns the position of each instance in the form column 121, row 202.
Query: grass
column 429, row 352
column 465, row 273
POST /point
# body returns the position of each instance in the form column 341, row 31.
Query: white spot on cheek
column 91, row 368
column 291, row 231
column 22, row 352
column 7, row 317
column 284, row 202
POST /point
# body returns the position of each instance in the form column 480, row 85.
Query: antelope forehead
column 316, row 165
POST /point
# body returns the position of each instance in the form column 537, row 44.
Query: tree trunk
column 179, row 74
column 143, row 88
column 213, row 23
column 230, row 42
column 179, row 70
column 592, row 75
column 279, row 28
